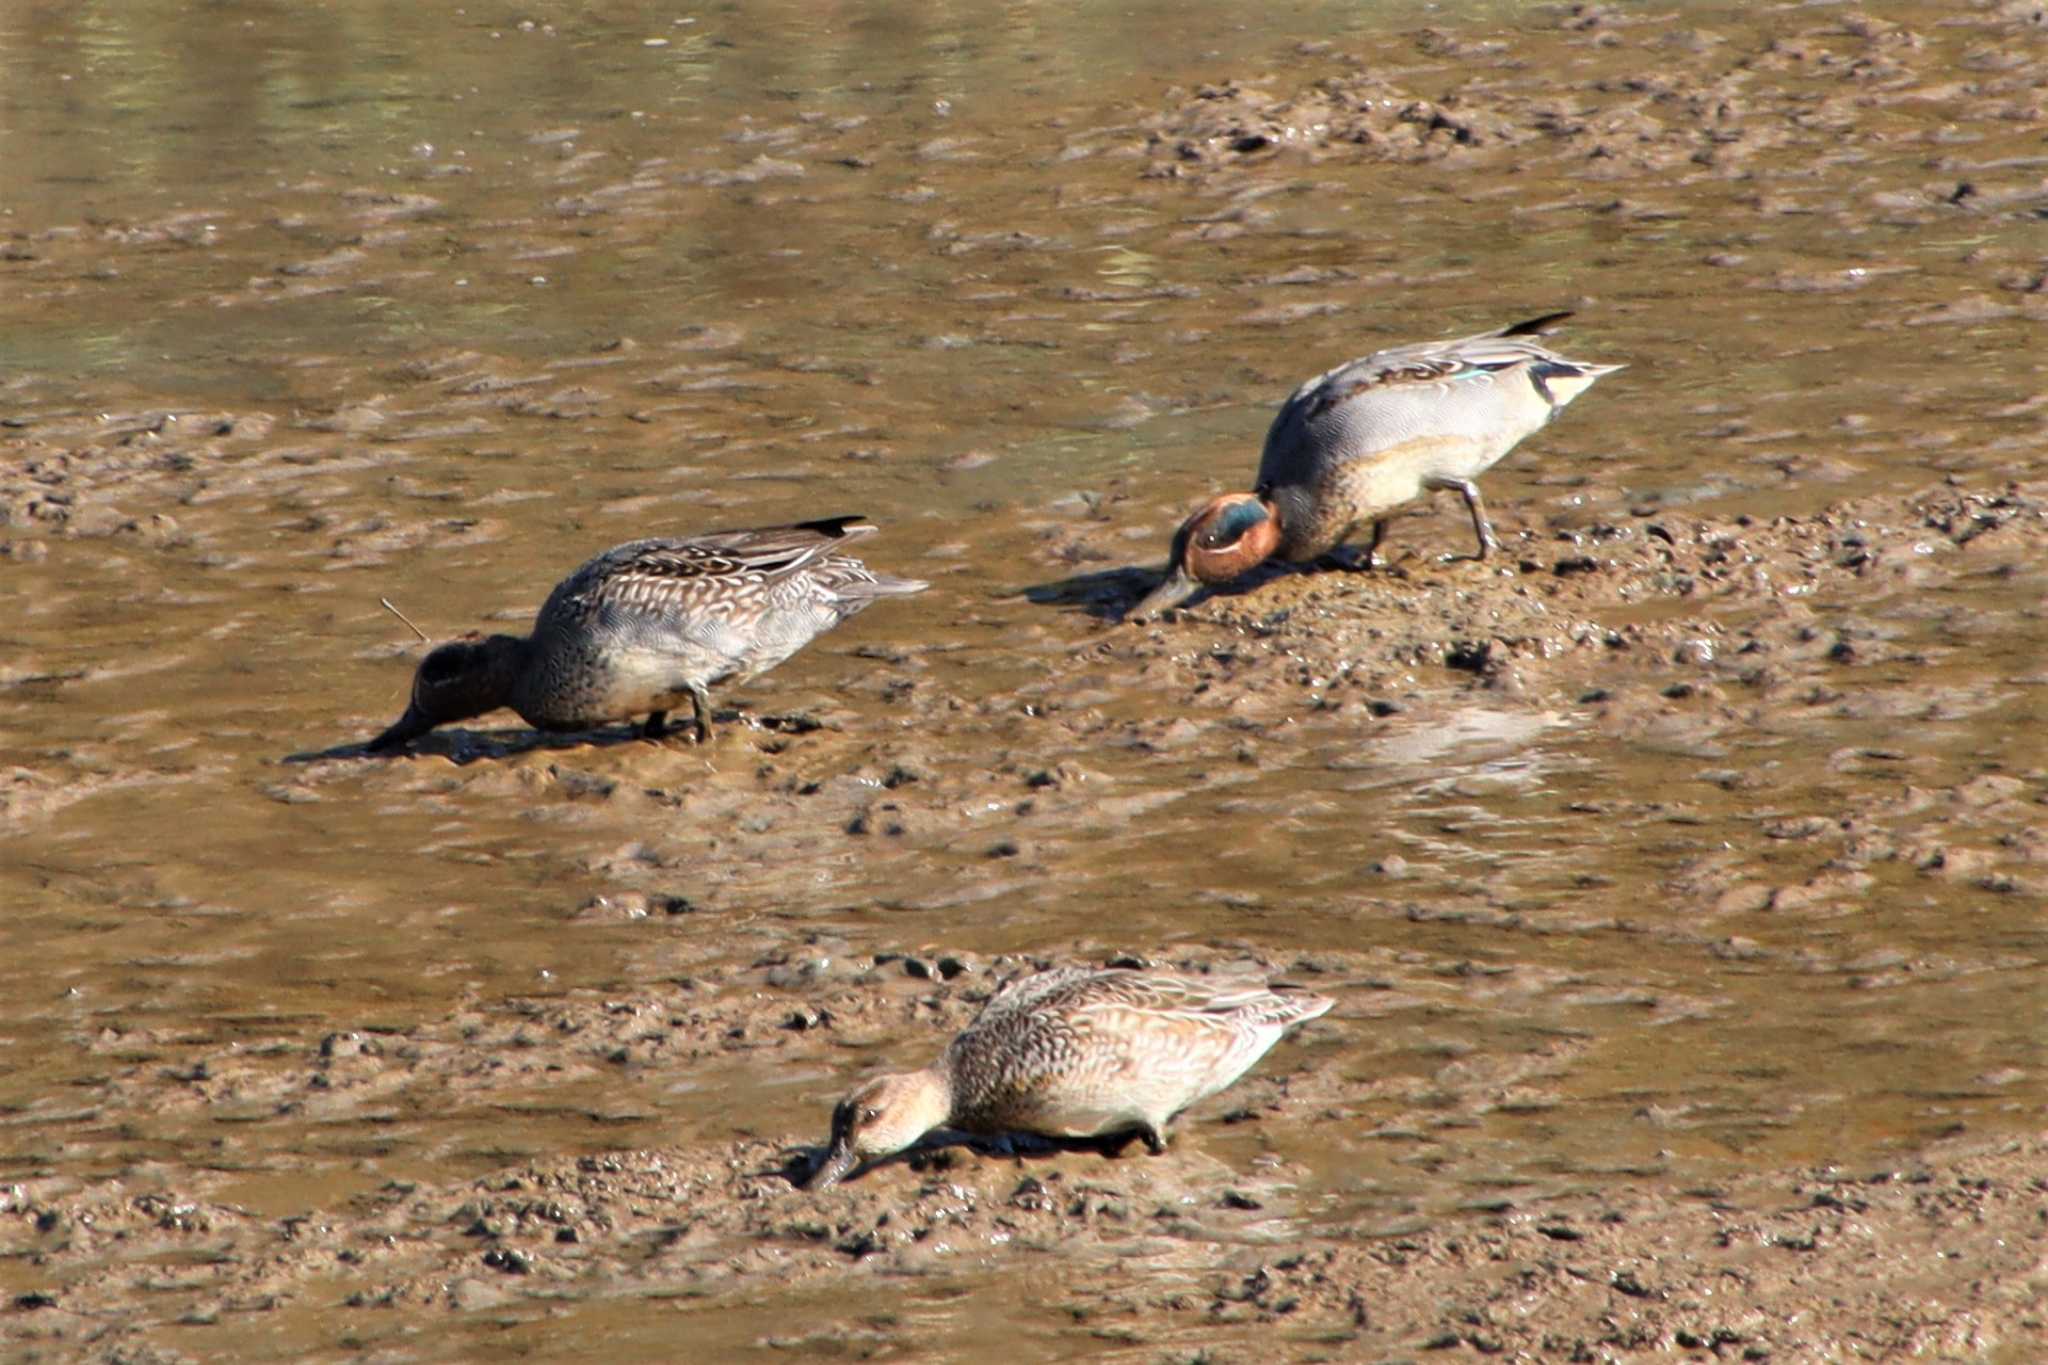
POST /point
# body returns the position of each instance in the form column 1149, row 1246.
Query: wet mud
column 1678, row 870
column 1929, row 1253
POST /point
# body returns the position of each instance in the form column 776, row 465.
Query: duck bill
column 1178, row 586
column 410, row 726
column 837, row 1165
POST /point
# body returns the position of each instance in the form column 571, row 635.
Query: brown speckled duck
column 1353, row 444
column 1075, row 1052
column 649, row 623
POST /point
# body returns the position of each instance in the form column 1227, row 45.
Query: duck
column 1110, row 1053
column 644, row 625
column 1351, row 445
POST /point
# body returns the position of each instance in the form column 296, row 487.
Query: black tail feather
column 1534, row 326
column 836, row 527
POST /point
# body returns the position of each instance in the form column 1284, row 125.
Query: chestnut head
column 1225, row 537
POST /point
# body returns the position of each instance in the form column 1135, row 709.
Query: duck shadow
column 1105, row 594
column 462, row 746
column 944, row 1149
column 1109, row 594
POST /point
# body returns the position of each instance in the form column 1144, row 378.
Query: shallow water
column 302, row 308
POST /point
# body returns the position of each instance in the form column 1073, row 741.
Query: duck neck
column 506, row 665
column 1292, row 509
column 938, row 1096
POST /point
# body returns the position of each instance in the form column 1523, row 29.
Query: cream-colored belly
column 1354, row 493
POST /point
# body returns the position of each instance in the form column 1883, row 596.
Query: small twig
column 424, row 638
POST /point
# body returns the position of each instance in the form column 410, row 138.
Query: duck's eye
column 870, row 1115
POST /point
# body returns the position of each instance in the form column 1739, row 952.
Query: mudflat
column 1678, row 871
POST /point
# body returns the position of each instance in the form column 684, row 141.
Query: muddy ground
column 1936, row 1254
column 1679, row 871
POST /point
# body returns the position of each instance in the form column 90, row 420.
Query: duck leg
column 1480, row 526
column 1372, row 551
column 656, row 726
column 700, row 700
column 1337, row 560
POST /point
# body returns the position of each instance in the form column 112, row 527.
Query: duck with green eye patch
column 1352, row 445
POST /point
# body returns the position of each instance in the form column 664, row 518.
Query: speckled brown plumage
column 651, row 623
column 1076, row 1052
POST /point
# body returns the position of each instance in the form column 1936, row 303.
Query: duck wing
column 1344, row 405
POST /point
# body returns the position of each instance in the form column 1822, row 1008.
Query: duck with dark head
column 651, row 624
column 1352, row 445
